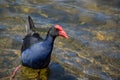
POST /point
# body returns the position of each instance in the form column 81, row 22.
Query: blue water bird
column 36, row 51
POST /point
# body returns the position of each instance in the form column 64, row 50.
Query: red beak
column 61, row 31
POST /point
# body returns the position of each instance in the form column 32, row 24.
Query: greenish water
column 91, row 53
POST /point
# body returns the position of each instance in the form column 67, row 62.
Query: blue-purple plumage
column 36, row 52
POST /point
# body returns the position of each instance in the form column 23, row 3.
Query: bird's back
column 32, row 37
column 29, row 40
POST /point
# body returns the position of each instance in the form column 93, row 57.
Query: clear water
column 91, row 53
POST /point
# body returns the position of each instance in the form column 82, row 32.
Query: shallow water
column 91, row 53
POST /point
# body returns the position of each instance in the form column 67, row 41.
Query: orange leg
column 14, row 72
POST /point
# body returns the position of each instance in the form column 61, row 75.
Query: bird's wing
column 32, row 37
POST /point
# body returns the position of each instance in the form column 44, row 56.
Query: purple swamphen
column 36, row 51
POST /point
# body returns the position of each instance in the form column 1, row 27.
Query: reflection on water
column 42, row 74
column 91, row 53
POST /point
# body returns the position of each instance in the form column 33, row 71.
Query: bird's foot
column 14, row 72
column 38, row 76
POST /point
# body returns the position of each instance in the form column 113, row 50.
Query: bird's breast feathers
column 37, row 51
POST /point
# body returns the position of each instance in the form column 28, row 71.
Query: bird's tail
column 30, row 27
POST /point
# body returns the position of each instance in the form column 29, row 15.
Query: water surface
column 91, row 53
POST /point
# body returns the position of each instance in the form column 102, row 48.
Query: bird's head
column 57, row 30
